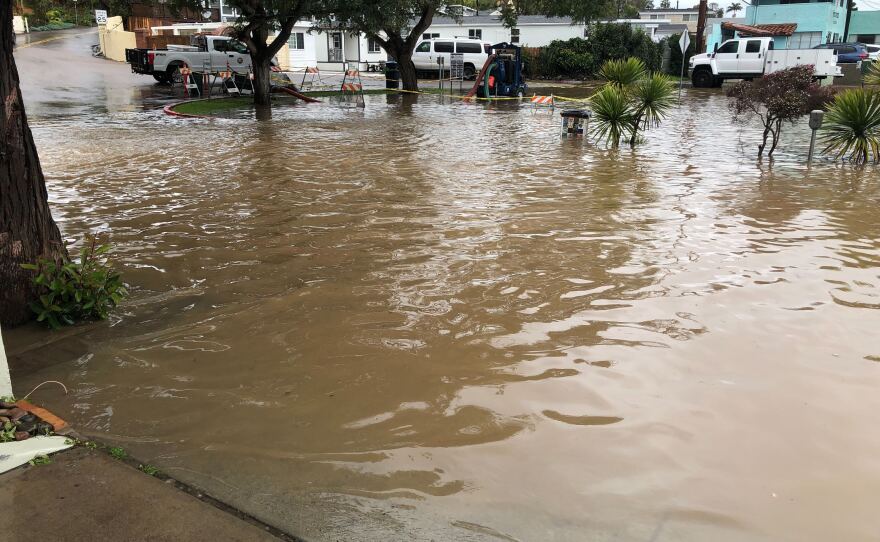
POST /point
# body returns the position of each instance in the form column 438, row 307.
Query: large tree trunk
column 408, row 75
column 27, row 231
column 262, row 80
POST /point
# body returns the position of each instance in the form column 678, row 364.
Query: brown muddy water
column 433, row 320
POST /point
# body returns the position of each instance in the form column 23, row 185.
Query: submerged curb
column 169, row 110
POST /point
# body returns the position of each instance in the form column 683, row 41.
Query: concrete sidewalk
column 86, row 495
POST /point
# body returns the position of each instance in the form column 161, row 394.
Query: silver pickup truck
column 205, row 53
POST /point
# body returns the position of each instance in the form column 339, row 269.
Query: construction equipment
column 501, row 75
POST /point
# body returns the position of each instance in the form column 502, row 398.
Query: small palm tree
column 652, row 98
column 852, row 126
column 632, row 100
column 873, row 75
column 734, row 8
column 613, row 114
column 623, row 73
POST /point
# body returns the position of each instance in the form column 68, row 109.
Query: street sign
column 101, row 16
column 456, row 65
column 684, row 41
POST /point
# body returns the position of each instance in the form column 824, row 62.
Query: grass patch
column 40, row 460
column 210, row 107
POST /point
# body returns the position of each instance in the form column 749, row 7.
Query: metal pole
column 681, row 81
column 812, row 147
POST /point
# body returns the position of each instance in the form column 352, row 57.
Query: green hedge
column 579, row 58
column 52, row 26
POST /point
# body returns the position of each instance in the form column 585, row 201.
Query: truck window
column 753, row 46
column 237, row 46
column 729, row 47
column 442, row 46
column 424, row 47
column 468, row 47
column 220, row 45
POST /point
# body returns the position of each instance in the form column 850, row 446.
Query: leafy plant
column 873, row 75
column 40, row 460
column 777, row 98
column 7, row 432
column 613, row 115
column 149, row 469
column 631, row 101
column 652, row 99
column 852, row 126
column 71, row 290
column 117, row 453
column 622, row 72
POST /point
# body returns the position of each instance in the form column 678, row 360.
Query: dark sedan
column 847, row 53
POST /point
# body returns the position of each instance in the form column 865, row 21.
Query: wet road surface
column 431, row 319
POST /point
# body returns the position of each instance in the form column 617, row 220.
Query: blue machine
column 503, row 76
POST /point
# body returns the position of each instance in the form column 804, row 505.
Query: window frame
column 297, row 38
column 475, row 33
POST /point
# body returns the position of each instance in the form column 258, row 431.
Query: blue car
column 847, row 53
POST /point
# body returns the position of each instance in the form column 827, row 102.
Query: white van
column 475, row 54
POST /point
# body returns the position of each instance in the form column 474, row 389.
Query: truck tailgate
column 139, row 60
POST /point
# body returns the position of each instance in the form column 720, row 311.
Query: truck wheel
column 469, row 71
column 717, row 82
column 162, row 78
column 702, row 79
column 173, row 73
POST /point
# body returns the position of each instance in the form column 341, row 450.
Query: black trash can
column 392, row 75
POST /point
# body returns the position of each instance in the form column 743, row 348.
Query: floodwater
column 436, row 320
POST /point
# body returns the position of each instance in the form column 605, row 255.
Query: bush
column 779, row 97
column 579, row 58
column 675, row 57
column 70, row 291
column 852, row 126
column 631, row 101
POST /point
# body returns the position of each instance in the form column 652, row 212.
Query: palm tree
column 735, row 7
column 852, row 126
column 632, row 100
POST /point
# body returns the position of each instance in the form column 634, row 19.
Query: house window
column 804, row 40
column 297, row 41
column 475, row 33
column 430, row 35
column 373, row 46
column 685, row 18
column 514, row 35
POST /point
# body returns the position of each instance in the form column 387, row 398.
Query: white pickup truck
column 746, row 58
column 211, row 53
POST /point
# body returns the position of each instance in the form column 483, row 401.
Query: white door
column 727, row 57
column 751, row 60
column 422, row 56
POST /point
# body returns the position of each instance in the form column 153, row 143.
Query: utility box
column 574, row 121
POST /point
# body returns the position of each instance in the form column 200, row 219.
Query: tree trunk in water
column 27, row 231
column 262, row 81
column 408, row 75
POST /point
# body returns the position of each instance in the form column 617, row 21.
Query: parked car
column 847, row 53
column 873, row 52
column 747, row 58
column 475, row 52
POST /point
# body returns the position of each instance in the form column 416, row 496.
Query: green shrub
column 631, row 101
column 70, row 291
column 675, row 56
column 579, row 58
column 852, row 126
